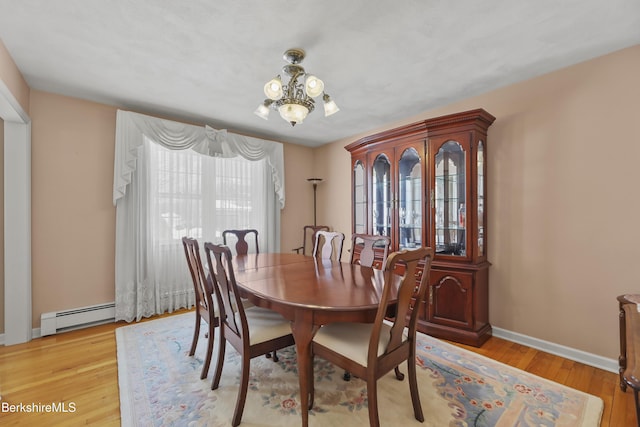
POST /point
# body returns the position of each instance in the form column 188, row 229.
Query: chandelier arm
column 293, row 83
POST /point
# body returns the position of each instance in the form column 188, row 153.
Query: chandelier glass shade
column 295, row 100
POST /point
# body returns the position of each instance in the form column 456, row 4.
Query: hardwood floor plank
column 56, row 369
column 623, row 412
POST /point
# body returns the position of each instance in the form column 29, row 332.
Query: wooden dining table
column 310, row 293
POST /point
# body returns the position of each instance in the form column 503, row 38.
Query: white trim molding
column 10, row 108
column 590, row 359
column 17, row 232
column 17, row 219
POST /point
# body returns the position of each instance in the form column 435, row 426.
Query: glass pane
column 410, row 199
column 381, row 194
column 449, row 198
column 359, row 202
column 480, row 199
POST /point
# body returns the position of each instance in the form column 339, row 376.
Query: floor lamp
column 315, row 182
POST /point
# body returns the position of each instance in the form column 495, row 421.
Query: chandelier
column 294, row 101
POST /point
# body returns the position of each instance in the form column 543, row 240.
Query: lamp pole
column 315, row 182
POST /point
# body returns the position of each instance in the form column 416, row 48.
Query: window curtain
column 144, row 286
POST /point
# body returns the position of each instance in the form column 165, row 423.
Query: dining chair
column 251, row 331
column 205, row 307
column 370, row 350
column 366, row 254
column 309, row 230
column 328, row 245
column 242, row 246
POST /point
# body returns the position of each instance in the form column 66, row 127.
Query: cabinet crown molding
column 424, row 128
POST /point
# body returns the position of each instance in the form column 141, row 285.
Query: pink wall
column 562, row 183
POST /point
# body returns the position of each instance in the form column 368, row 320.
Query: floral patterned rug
column 160, row 386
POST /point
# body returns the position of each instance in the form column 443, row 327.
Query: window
column 199, row 196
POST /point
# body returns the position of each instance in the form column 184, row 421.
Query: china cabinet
column 424, row 184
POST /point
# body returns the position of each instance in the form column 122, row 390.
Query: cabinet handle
column 430, row 295
column 433, row 198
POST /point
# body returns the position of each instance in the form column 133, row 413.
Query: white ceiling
column 206, row 61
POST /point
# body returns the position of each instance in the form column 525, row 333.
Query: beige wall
column 73, row 218
column 299, row 165
column 563, row 168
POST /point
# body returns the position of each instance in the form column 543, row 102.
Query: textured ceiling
column 206, row 61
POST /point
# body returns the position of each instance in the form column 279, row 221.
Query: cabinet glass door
column 381, row 201
column 410, row 199
column 359, row 201
column 449, row 200
column 480, row 168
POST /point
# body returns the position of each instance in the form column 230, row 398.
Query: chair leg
column 196, row 334
column 310, row 375
column 399, row 375
column 221, row 348
column 270, row 356
column 413, row 388
column 311, row 385
column 242, row 393
column 372, row 402
column 207, row 358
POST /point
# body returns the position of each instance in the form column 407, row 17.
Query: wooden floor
column 80, row 367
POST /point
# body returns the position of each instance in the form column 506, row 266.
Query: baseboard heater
column 67, row 320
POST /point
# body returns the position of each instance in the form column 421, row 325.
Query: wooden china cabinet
column 424, row 184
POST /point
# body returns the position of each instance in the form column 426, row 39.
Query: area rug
column 160, row 386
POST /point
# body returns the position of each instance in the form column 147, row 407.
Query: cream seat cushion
column 352, row 339
column 264, row 324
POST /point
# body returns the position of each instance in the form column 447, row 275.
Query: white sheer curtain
column 164, row 189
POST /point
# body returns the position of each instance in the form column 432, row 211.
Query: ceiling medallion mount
column 294, row 56
column 294, row 100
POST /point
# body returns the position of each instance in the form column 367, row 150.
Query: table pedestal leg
column 303, row 331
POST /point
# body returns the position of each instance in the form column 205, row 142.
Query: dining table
column 309, row 292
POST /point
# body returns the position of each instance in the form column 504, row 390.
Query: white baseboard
column 590, row 359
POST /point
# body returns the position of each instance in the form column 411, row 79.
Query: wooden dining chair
column 251, row 331
column 370, row 350
column 205, row 308
column 309, row 230
column 242, row 246
column 328, row 245
column 366, row 255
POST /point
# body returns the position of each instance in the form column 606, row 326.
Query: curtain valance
column 131, row 128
